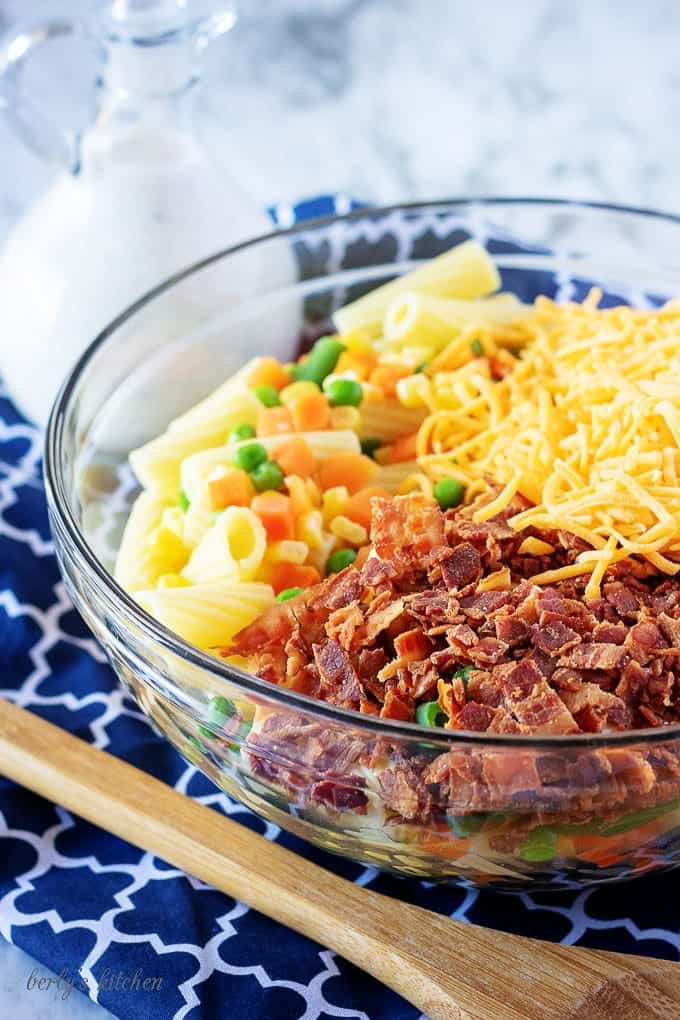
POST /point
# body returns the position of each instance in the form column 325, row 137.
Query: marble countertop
column 403, row 99
column 393, row 99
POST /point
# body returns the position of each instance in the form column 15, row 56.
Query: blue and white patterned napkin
column 144, row 939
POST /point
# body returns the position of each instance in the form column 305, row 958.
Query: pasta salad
column 455, row 510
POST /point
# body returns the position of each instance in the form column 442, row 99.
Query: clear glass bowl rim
column 121, row 603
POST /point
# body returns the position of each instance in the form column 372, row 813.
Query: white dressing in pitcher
column 143, row 199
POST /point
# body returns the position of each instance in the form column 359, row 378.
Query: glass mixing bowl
column 508, row 810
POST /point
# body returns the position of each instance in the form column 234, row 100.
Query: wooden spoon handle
column 447, row 969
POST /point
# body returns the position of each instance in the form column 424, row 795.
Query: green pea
column 466, row 825
column 183, row 501
column 340, row 559
column 449, row 492
column 430, row 714
column 540, row 845
column 220, row 709
column 267, row 475
column 343, row 392
column 370, row 445
column 241, row 432
column 267, row 395
column 322, row 359
column 476, row 348
column 249, row 457
column 288, row 593
column 464, row 674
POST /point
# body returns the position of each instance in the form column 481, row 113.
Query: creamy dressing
column 146, row 200
column 146, row 205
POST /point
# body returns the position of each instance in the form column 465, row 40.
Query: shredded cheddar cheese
column 585, row 425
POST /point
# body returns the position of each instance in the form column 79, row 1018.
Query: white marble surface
column 392, row 99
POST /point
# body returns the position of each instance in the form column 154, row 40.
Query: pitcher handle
column 38, row 132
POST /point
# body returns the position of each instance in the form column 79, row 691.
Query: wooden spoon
column 449, row 970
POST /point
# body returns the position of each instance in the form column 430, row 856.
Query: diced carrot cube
column 276, row 513
column 232, row 489
column 296, row 458
column 361, row 363
column 268, row 372
column 292, row 575
column 311, row 413
column 359, row 507
column 404, row 448
column 386, row 376
column 353, row 470
column 271, row 421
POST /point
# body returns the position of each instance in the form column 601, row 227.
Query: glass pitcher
column 137, row 198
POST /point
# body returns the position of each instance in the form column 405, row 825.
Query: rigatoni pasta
column 465, row 271
column 232, row 547
column 207, row 614
column 147, row 549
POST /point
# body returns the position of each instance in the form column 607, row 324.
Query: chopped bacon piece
column 343, row 623
column 301, row 674
column 503, row 722
column 644, row 640
column 424, row 678
column 474, row 716
column 431, row 606
column 405, row 530
column 479, row 607
column 611, row 633
column 596, row 655
column 510, row 772
column 670, row 628
column 554, row 638
column 488, row 652
column 340, row 683
column 272, row 629
column 335, row 592
column 604, row 708
column 461, row 636
column 382, row 618
column 376, row 572
column 461, row 567
column 533, row 703
column 404, row 793
column 634, row 679
column 511, row 630
column 370, row 662
column 341, row 795
column 622, row 599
